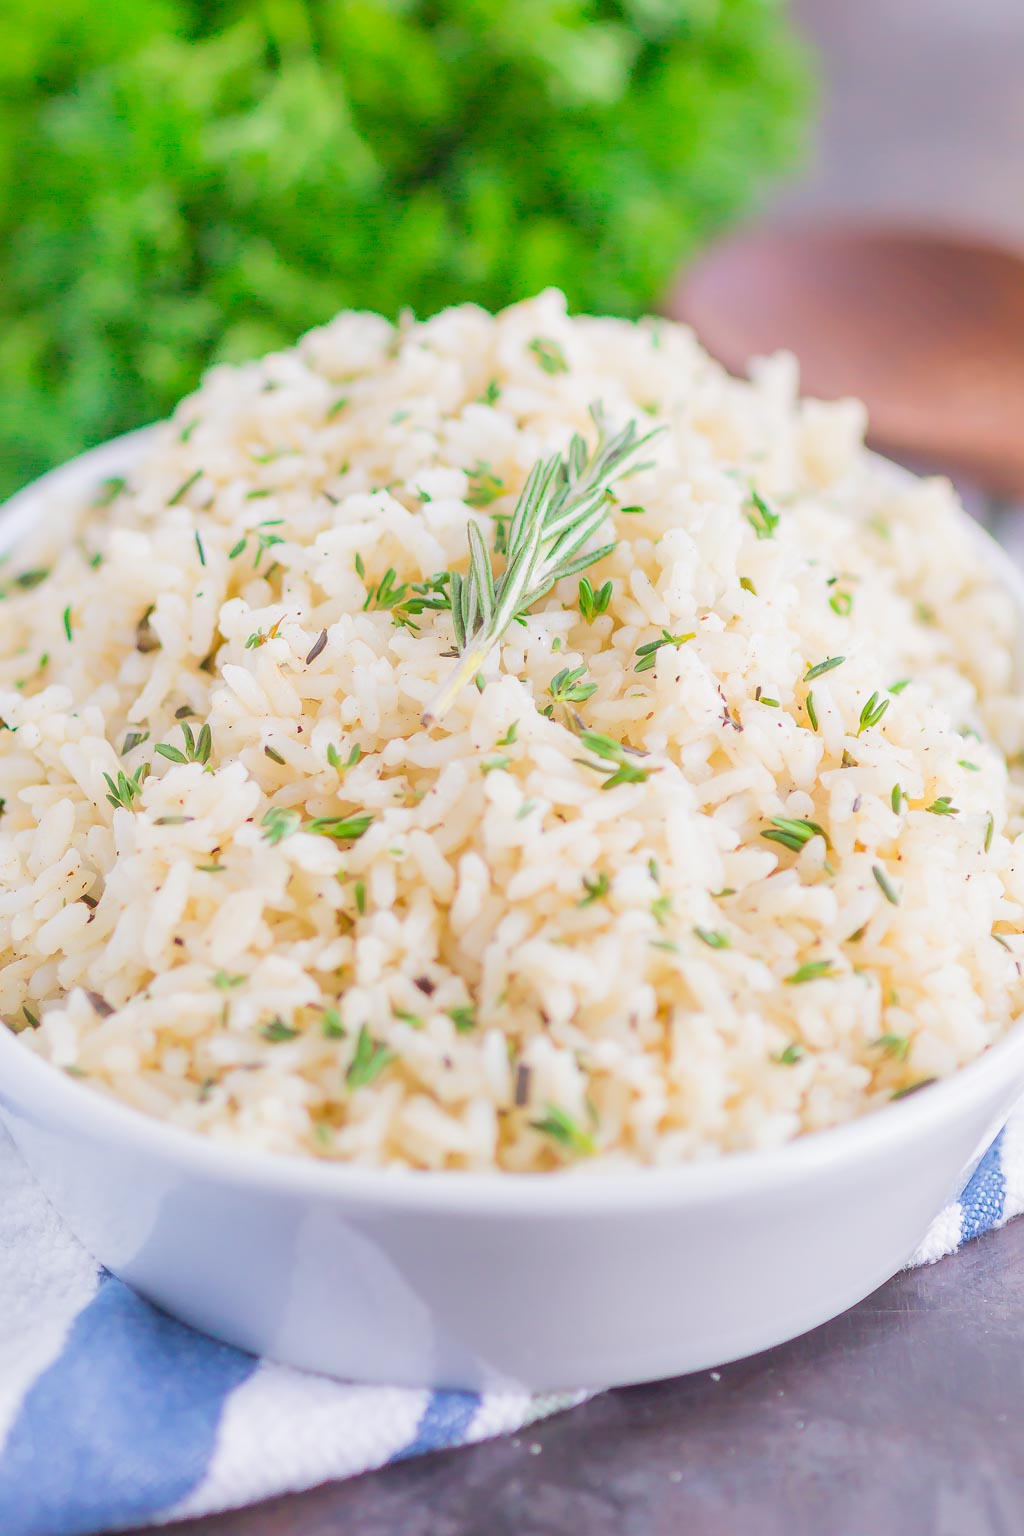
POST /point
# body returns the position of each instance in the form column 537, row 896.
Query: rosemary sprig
column 564, row 502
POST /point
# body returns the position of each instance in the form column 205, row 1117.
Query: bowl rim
column 555, row 1193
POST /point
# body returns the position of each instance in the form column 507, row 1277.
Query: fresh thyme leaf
column 331, row 1024
column 199, row 548
column 273, row 754
column 989, row 829
column 562, row 505
column 132, row 740
column 484, row 486
column 791, row 1055
column 897, row 799
column 903, row 1093
column 623, row 769
column 884, row 886
column 492, row 394
column 943, row 806
column 748, row 585
column 566, row 688
column 561, row 1127
column 822, row 667
column 335, row 408
column 280, row 822
column 509, row 737
column 593, row 604
column 334, row 758
column 341, row 828
column 277, row 1030
column 893, row 1045
column 649, row 652
column 971, row 767
column 108, row 491
column 548, row 354
column 841, row 603
column 661, row 907
column 124, row 791
column 712, row 938
column 239, row 548
column 811, row 711
column 184, row 488
column 898, row 688
column 763, row 520
column 67, row 623
column 872, row 713
column 369, row 1060
column 495, row 764
column 29, row 579
column 225, row 981
column 811, row 970
column 359, row 892
column 793, row 833
column 197, row 748
column 464, row 1018
column 596, row 887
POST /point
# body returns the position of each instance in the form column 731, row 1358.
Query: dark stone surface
column 903, row 1416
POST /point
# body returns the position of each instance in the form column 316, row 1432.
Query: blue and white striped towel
column 111, row 1414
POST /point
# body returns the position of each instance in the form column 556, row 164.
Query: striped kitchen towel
column 113, row 1415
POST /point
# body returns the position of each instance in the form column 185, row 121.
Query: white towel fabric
column 112, row 1414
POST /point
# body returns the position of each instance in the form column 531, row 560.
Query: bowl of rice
column 509, row 851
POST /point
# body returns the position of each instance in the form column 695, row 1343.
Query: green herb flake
column 108, row 491
column 199, row 548
column 712, row 938
column 596, row 888
column 359, row 892
column 184, row 488
column 649, row 652
column 226, row 982
column 278, row 1031
column 872, row 713
column 273, row 754
column 483, row 486
column 661, row 907
column 566, row 688
column 464, row 1019
column 748, row 585
column 812, row 714
column 897, row 799
column 897, row 688
column 509, row 737
column 132, row 740
column 990, row 826
column 563, row 1129
column 592, row 604
column 923, row 1082
column 822, row 667
column 943, row 806
column 841, row 603
column 331, row 1024
column 27, row 580
column 67, row 623
column 897, row 1046
column 791, row 1055
column 280, row 822
column 548, row 354
column 811, row 970
column 124, row 791
column 793, row 832
column 963, row 762
column 495, row 764
column 620, row 760
column 762, row 519
column 197, row 748
column 369, row 1060
column 341, row 828
column 414, row 1020
column 884, row 886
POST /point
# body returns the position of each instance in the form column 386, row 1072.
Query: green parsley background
column 182, row 182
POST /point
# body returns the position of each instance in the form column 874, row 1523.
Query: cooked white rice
column 534, row 970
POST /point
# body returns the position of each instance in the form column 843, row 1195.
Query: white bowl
column 483, row 1280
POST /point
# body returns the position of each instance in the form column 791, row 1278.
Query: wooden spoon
column 926, row 328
